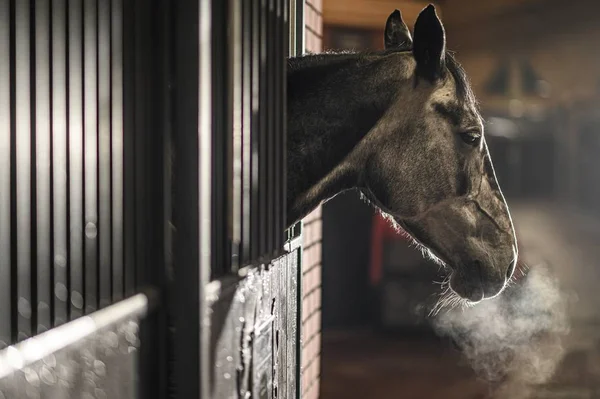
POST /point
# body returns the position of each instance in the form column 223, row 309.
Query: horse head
column 428, row 167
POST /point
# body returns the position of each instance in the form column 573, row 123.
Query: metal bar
column 104, row 155
column 59, row 162
column 276, row 123
column 287, row 50
column 90, row 65
column 221, row 130
column 75, row 138
column 295, row 291
column 117, row 176
column 144, row 120
column 291, row 6
column 6, row 302
column 246, row 130
column 235, row 87
column 42, row 158
column 23, row 164
column 25, row 353
column 280, row 57
column 192, row 211
column 271, row 120
column 295, row 243
column 204, row 186
column 300, row 28
column 255, row 134
column 263, row 128
column 129, row 160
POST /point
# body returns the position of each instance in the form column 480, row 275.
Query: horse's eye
column 471, row 137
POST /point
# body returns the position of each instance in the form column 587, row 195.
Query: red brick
column 305, row 382
column 307, row 260
column 316, row 388
column 318, row 277
column 311, row 258
column 304, row 310
column 306, row 281
column 312, row 298
column 318, row 298
column 319, row 24
column 317, row 4
column 310, row 330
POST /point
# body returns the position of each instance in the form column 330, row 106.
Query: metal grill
column 84, row 171
column 248, row 125
column 62, row 203
column 142, row 143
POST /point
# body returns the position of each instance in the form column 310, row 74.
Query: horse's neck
column 333, row 102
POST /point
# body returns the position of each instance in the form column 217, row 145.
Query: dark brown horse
column 403, row 127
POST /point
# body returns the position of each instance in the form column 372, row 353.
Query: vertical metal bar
column 246, row 129
column 90, row 65
column 271, row 118
column 263, row 129
column 291, row 12
column 5, row 171
column 129, row 193
column 116, row 43
column 75, row 126
column 279, row 128
column 192, row 211
column 23, row 164
column 255, row 133
column 204, row 186
column 142, row 76
column 42, row 158
column 235, row 86
column 300, row 28
column 221, row 155
column 280, row 37
column 60, row 161
column 286, row 52
column 104, row 161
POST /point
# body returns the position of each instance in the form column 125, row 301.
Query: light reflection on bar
column 104, row 197
column 59, row 159
column 34, row 349
column 90, row 70
column 42, row 150
column 5, row 170
column 117, row 149
column 23, row 165
column 76, row 158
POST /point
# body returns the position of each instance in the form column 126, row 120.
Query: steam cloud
column 514, row 341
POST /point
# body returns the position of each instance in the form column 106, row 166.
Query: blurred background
column 535, row 67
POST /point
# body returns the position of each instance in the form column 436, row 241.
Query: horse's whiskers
column 447, row 299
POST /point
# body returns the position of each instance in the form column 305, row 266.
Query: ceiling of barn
column 472, row 24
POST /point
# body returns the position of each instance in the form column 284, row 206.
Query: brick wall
column 313, row 18
column 311, row 258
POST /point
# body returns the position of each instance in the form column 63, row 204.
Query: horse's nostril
column 510, row 270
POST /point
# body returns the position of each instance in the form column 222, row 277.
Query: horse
column 402, row 125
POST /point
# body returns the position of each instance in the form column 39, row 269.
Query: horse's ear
column 429, row 46
column 396, row 31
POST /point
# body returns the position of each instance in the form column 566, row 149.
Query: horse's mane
column 331, row 58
